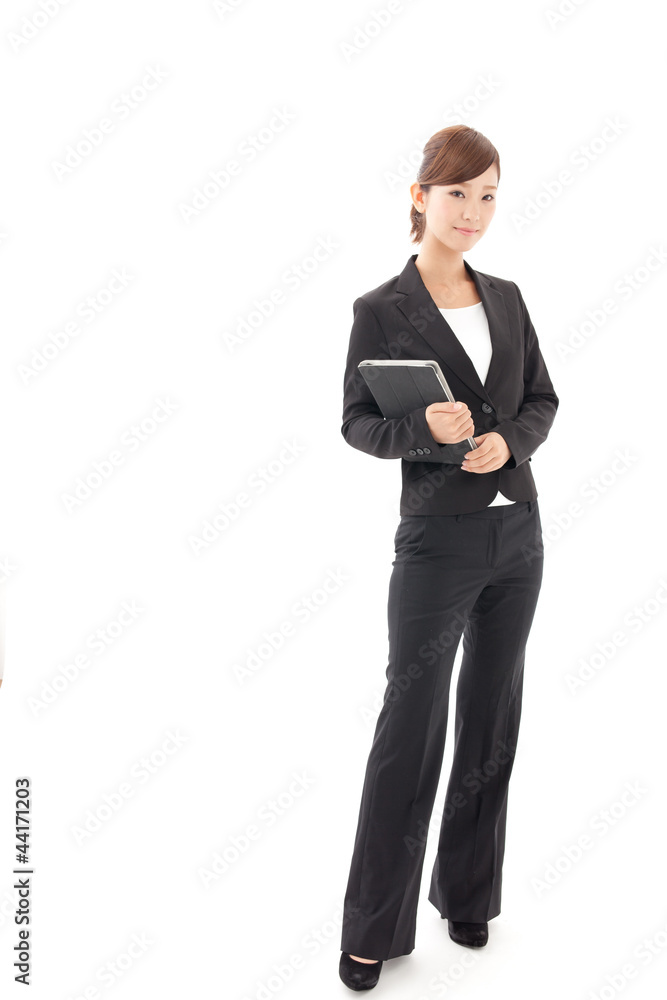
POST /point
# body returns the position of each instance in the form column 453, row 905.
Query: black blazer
column 399, row 319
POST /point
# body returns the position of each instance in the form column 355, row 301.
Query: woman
column 468, row 562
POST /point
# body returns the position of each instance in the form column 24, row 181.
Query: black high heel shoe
column 472, row 935
column 358, row 975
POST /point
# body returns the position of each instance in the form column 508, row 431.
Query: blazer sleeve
column 364, row 427
column 529, row 429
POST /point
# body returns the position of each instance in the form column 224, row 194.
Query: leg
column 436, row 579
column 467, row 874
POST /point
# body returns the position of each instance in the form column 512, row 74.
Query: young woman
column 468, row 563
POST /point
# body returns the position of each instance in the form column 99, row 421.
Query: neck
column 439, row 265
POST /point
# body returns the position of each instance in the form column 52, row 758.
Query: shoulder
column 504, row 285
column 507, row 288
column 377, row 298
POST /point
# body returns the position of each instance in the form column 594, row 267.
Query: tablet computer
column 399, row 387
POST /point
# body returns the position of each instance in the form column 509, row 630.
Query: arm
column 526, row 432
column 364, row 427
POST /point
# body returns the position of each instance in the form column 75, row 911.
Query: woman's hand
column 449, row 423
column 492, row 453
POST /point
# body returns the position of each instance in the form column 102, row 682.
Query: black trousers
column 478, row 576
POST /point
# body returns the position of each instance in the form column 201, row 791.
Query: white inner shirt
column 471, row 328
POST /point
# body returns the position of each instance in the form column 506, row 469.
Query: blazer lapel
column 417, row 305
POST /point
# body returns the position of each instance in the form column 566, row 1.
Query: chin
column 460, row 242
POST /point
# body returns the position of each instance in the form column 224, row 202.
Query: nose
column 470, row 214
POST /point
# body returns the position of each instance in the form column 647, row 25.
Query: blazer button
column 487, row 408
column 412, row 452
column 420, row 451
column 427, row 451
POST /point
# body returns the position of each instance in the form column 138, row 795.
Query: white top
column 471, row 328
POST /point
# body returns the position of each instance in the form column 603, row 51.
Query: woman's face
column 458, row 215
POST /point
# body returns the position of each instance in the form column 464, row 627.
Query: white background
column 356, row 113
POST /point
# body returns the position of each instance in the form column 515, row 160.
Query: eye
column 485, row 196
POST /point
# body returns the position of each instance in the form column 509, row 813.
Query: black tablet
column 399, row 387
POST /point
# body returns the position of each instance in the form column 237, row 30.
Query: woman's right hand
column 449, row 423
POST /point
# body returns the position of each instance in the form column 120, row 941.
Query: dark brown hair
column 454, row 154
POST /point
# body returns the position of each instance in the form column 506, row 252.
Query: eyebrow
column 467, row 184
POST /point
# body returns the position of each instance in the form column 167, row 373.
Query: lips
column 466, row 232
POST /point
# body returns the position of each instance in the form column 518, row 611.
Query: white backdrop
column 193, row 194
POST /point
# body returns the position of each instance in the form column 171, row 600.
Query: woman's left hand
column 492, row 453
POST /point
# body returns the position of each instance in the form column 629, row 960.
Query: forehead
column 469, row 184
